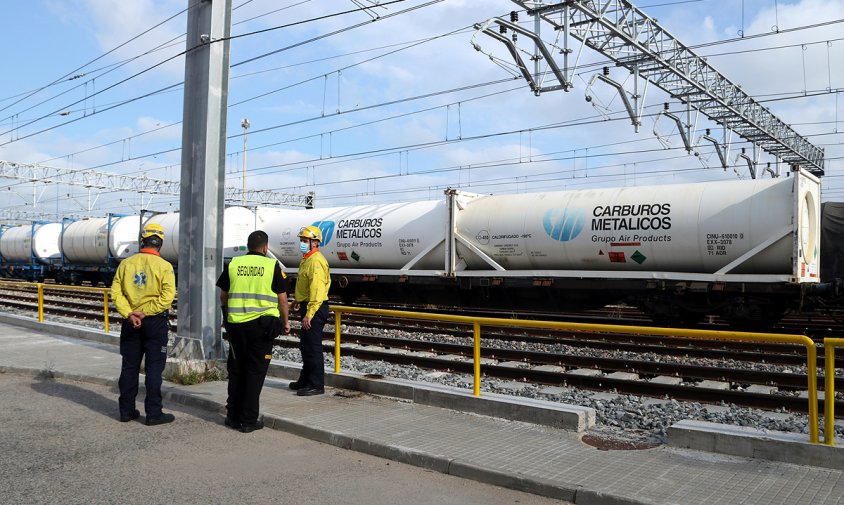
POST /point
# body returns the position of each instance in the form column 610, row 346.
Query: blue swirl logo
column 564, row 224
column 327, row 229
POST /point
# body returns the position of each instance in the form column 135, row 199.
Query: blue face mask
column 304, row 247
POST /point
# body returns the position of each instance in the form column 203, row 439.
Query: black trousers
column 310, row 345
column 150, row 343
column 249, row 358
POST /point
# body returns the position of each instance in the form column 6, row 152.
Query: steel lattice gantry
column 625, row 34
column 116, row 182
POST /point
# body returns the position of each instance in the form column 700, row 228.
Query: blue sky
column 343, row 118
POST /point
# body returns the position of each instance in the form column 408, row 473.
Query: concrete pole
column 245, row 125
column 203, row 178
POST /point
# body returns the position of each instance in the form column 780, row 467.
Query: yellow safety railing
column 41, row 287
column 829, row 345
column 477, row 322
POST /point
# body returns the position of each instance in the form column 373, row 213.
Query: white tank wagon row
column 74, row 251
column 746, row 250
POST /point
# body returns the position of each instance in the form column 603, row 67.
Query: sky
column 393, row 103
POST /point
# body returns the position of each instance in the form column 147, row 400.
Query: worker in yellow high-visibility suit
column 311, row 292
column 143, row 290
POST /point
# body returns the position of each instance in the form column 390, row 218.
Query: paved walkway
column 522, row 456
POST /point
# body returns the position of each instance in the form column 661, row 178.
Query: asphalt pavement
column 62, row 444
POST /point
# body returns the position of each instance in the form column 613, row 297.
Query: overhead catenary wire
column 72, row 72
column 425, row 39
column 831, row 158
column 327, row 16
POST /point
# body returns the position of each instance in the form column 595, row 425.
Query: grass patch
column 194, row 376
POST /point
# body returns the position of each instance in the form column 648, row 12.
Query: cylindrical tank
column 89, row 241
column 238, row 223
column 20, row 244
column 366, row 236
column 16, row 244
column 697, row 228
column 170, row 223
column 45, row 242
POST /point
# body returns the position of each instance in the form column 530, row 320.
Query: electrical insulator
column 707, row 131
column 515, row 36
column 502, row 29
column 606, row 70
column 665, row 106
column 514, row 17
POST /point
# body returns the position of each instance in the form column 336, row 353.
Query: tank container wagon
column 832, row 253
column 745, row 250
column 238, row 223
column 89, row 250
column 29, row 251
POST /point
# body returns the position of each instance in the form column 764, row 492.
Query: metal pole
column 829, row 390
column 476, row 390
column 245, row 125
column 337, row 314
column 203, row 177
column 40, row 303
column 105, row 309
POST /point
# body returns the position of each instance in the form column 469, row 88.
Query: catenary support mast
column 203, row 176
column 88, row 178
column 628, row 36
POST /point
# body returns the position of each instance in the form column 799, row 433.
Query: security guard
column 143, row 290
column 253, row 297
column 312, row 296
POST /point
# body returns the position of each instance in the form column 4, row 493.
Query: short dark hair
column 153, row 241
column 256, row 240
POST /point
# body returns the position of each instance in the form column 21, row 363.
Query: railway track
column 699, row 370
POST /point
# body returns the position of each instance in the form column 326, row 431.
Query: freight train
column 744, row 250
column 88, row 250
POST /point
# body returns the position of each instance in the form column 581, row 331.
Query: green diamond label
column 638, row 257
column 355, row 256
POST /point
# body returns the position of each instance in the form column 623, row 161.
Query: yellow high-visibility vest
column 250, row 290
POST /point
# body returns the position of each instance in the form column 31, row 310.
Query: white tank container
column 16, row 244
column 238, row 223
column 20, row 244
column 88, row 241
column 699, row 228
column 45, row 242
column 366, row 236
column 170, row 223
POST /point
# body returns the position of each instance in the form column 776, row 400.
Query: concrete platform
column 754, row 443
column 526, row 456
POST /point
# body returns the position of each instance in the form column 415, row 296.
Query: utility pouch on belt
column 271, row 326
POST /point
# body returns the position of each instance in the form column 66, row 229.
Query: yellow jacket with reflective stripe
column 250, row 294
column 144, row 282
column 313, row 281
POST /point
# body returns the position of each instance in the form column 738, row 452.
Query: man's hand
column 286, row 327
column 306, row 323
column 135, row 318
